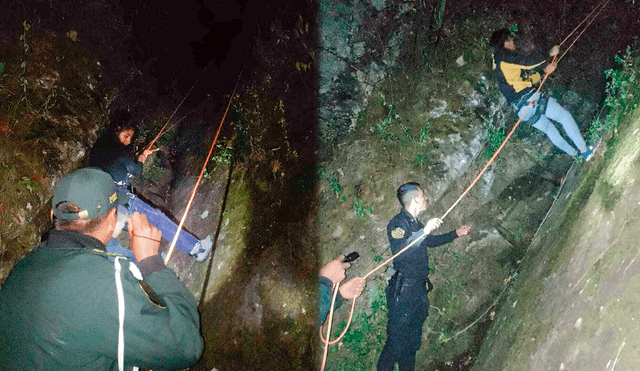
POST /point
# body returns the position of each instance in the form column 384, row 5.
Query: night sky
column 170, row 41
column 176, row 42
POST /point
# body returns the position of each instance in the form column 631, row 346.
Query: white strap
column 135, row 270
column 120, row 314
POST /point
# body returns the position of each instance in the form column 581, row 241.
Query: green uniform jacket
column 59, row 311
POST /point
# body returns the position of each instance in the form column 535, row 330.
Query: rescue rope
column 473, row 183
column 204, row 167
column 162, row 130
column 601, row 6
column 326, row 341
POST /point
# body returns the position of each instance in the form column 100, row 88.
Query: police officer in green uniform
column 70, row 305
column 407, row 299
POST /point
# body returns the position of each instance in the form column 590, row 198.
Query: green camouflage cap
column 91, row 189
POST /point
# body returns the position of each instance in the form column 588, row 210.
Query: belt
column 401, row 280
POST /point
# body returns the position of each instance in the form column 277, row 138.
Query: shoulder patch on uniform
column 397, row 233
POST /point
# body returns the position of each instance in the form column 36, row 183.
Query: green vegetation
column 223, row 152
column 337, row 189
column 360, row 209
column 495, row 137
column 48, row 116
column 366, row 335
column 622, row 93
column 596, row 130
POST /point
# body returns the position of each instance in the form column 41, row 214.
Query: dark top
column 59, row 311
column 324, row 288
column 517, row 74
column 413, row 263
column 113, row 157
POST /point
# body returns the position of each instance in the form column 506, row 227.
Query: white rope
column 120, row 314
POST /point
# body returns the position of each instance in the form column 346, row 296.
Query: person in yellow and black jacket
column 70, row 305
column 518, row 77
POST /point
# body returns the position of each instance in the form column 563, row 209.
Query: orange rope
column 585, row 28
column 473, row 183
column 326, row 342
column 584, row 20
column 484, row 169
column 353, row 304
column 176, row 110
column 204, row 167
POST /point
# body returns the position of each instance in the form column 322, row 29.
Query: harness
column 539, row 105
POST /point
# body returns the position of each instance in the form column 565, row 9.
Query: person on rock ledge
column 518, row 76
column 112, row 154
column 407, row 291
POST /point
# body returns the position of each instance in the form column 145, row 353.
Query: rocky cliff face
column 432, row 114
column 50, row 115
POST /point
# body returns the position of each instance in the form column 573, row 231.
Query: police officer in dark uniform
column 407, row 299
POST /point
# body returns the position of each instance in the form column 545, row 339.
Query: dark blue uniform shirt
column 413, row 263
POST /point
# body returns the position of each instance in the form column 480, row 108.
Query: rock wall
column 573, row 305
column 434, row 123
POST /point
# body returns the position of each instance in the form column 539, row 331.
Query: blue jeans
column 185, row 242
column 556, row 113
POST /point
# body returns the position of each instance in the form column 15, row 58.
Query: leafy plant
column 29, row 184
column 366, row 335
column 621, row 86
column 383, row 125
column 360, row 209
column 517, row 236
column 337, row 189
column 224, row 153
column 24, row 82
column 495, row 137
column 420, row 159
column 596, row 129
column 301, row 66
column 424, row 133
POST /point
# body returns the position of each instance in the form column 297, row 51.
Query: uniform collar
column 59, row 238
column 408, row 215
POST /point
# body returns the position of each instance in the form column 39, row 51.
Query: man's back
column 59, row 310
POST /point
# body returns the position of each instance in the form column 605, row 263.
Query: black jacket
column 113, row 157
column 517, row 74
column 413, row 263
